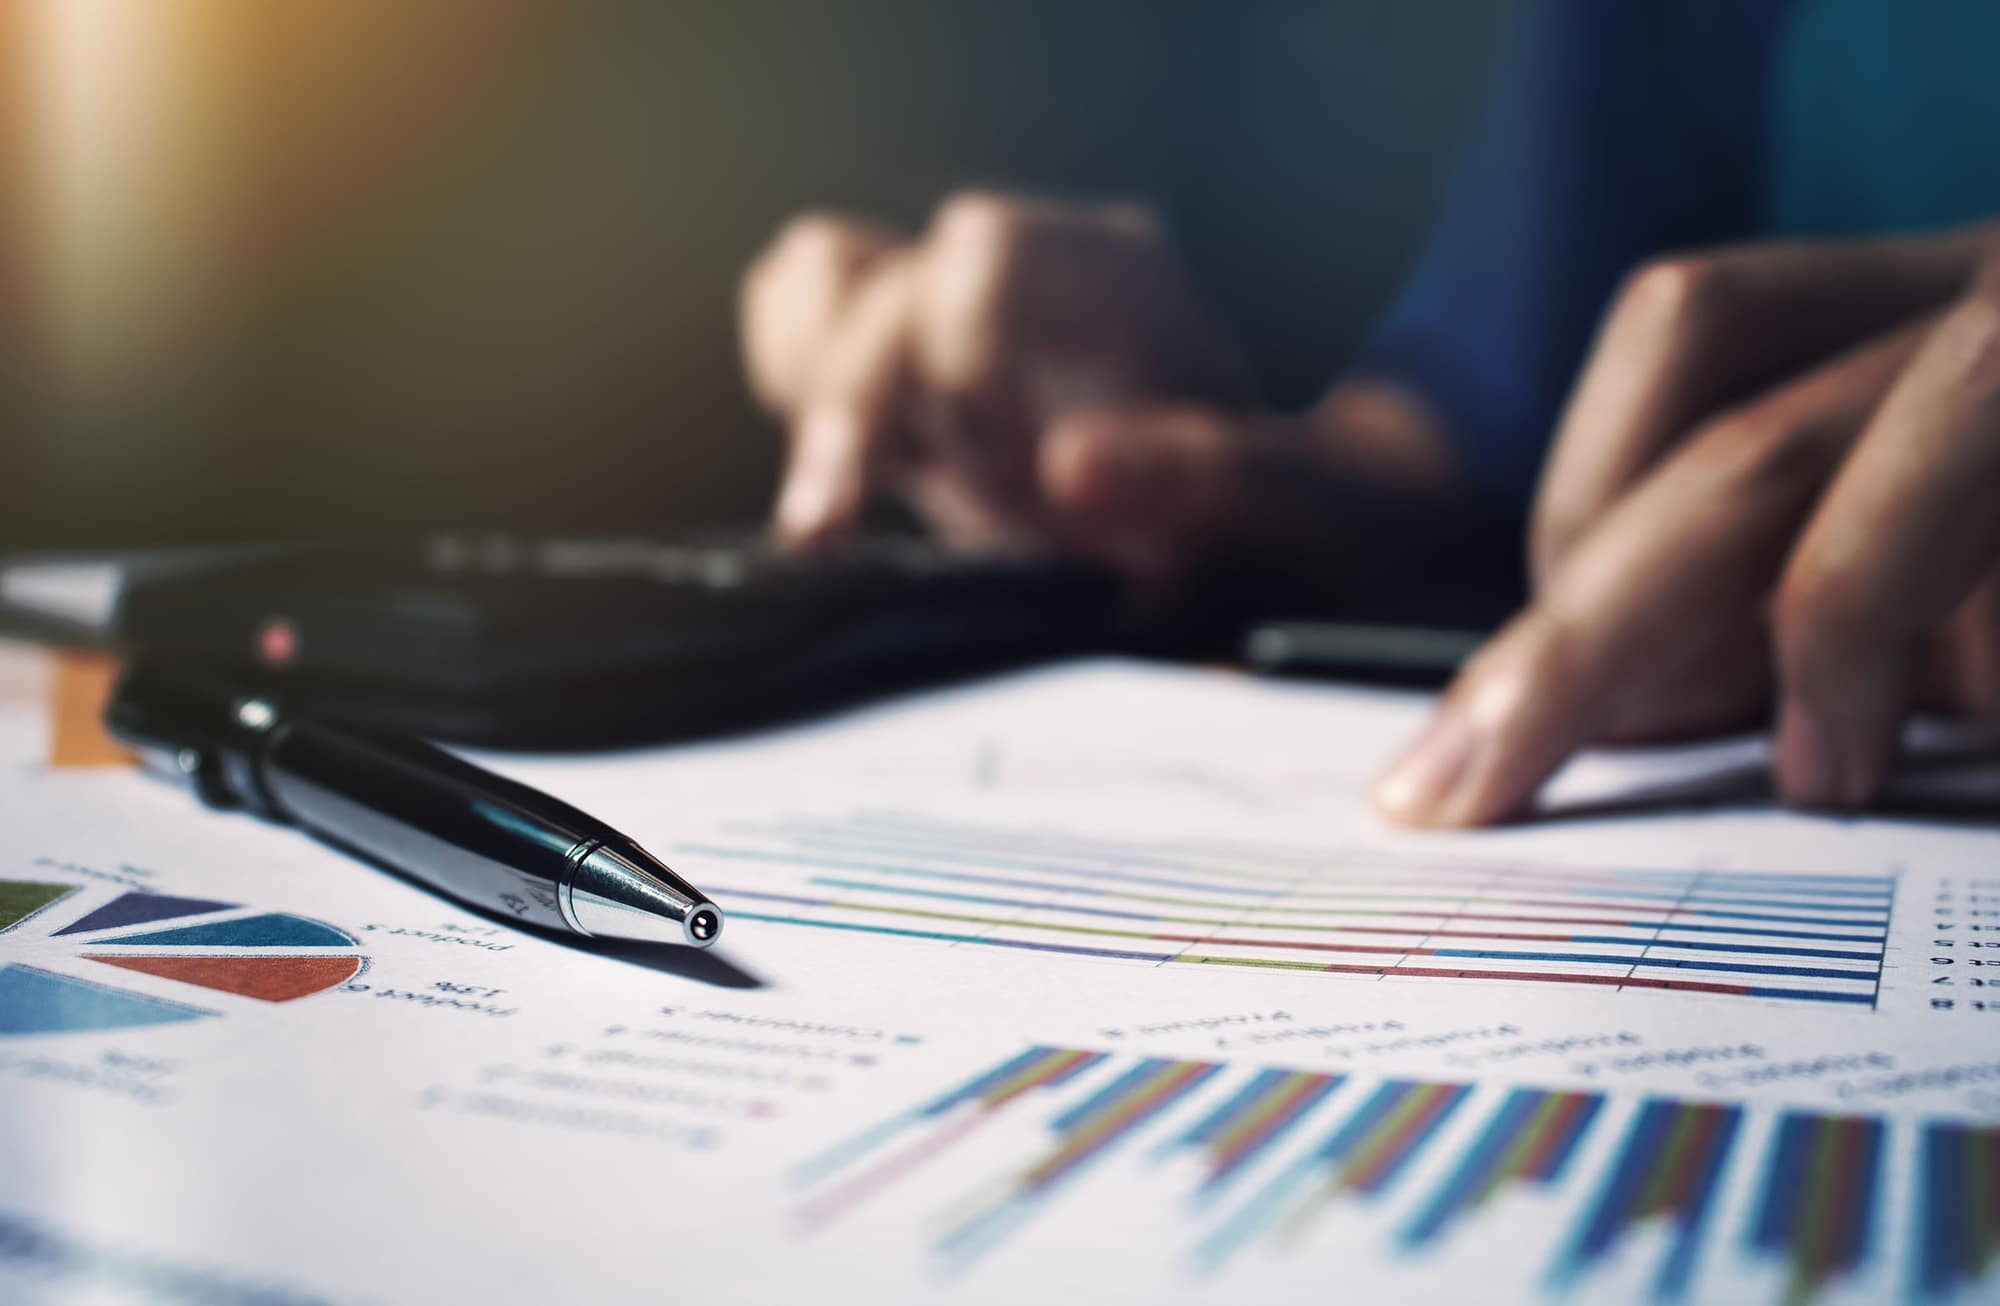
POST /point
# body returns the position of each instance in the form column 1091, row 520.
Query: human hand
column 1778, row 480
column 1038, row 374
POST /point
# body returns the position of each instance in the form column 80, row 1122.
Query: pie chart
column 68, row 952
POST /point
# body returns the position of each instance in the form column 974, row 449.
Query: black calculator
column 519, row 641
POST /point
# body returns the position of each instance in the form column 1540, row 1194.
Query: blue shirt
column 1620, row 130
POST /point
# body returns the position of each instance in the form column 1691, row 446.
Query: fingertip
column 1822, row 763
column 1070, row 462
column 1094, row 463
column 1523, row 719
column 1414, row 790
column 1152, row 468
column 1513, row 716
column 1846, row 692
column 1802, row 758
column 798, row 524
column 822, row 490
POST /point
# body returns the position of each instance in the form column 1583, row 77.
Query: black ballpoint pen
column 408, row 805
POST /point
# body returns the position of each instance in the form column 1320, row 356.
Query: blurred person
column 1769, row 479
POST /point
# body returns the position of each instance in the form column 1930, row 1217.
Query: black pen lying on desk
column 441, row 821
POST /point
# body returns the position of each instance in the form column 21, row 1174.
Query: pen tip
column 624, row 892
column 705, row 923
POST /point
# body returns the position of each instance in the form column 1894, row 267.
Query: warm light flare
column 191, row 164
column 99, row 92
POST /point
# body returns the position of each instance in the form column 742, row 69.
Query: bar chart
column 1817, row 1208
column 1083, row 1132
column 1361, row 1157
column 1249, row 1164
column 1270, row 1103
column 1338, row 912
column 1667, row 1170
column 1529, row 1140
column 1958, row 1219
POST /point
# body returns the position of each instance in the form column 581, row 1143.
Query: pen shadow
column 1955, row 784
column 702, row 965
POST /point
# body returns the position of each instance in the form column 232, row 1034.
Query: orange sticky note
column 80, row 684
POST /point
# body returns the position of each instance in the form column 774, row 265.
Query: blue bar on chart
column 1529, row 1140
column 938, row 1123
column 1362, row 1157
column 1667, row 1169
column 1816, row 1208
column 1958, row 1207
column 1083, row 1134
column 1250, row 1122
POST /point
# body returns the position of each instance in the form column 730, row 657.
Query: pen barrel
column 410, row 807
column 430, row 817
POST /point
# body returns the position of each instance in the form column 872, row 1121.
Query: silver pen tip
column 626, row 893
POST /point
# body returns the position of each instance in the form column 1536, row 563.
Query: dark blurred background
column 340, row 267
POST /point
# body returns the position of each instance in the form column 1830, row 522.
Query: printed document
column 1095, row 982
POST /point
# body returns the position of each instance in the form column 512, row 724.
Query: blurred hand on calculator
column 1033, row 374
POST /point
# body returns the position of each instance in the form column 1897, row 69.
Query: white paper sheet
column 1412, row 1066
